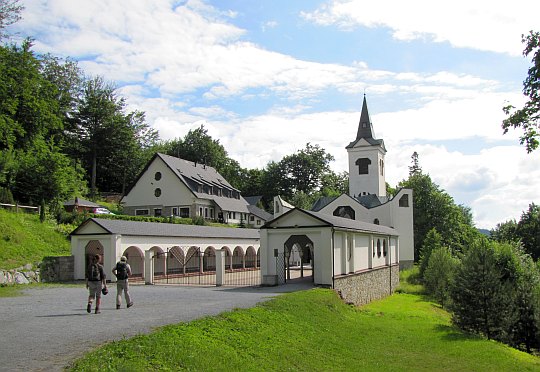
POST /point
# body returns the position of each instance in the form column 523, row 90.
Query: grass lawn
column 23, row 239
column 313, row 331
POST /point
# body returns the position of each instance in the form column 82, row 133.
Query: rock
column 28, row 266
column 19, row 278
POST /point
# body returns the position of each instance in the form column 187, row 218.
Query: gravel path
column 47, row 328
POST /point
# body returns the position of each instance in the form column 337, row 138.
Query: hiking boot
column 89, row 308
column 117, row 307
column 130, row 304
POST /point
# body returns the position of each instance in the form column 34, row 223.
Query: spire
column 365, row 127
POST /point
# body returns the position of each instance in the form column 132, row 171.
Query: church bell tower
column 366, row 160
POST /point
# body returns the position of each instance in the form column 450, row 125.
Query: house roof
column 253, row 200
column 81, row 203
column 136, row 228
column 337, row 222
column 191, row 173
column 322, row 202
column 264, row 215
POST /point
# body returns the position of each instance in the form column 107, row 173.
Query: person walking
column 95, row 282
column 122, row 271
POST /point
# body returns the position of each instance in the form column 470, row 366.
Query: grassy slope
column 314, row 330
column 23, row 239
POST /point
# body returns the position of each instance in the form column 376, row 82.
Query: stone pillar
column 148, row 267
column 220, row 268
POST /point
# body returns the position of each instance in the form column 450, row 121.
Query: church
column 355, row 242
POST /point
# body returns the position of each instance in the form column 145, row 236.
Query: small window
column 175, row 211
column 184, row 212
column 252, row 218
column 384, row 250
column 157, row 212
column 376, row 221
column 404, row 201
column 378, row 247
column 157, row 176
column 141, row 212
column 258, row 222
column 277, row 207
column 157, row 192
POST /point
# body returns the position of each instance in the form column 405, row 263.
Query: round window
column 157, row 193
column 157, row 176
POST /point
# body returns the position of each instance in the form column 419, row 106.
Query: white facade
column 133, row 242
column 372, row 182
column 339, row 246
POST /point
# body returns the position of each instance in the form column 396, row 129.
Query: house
column 80, row 205
column 170, row 186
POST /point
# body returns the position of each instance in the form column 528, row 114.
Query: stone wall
column 21, row 275
column 58, row 269
column 363, row 287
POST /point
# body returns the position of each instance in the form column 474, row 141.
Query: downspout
column 390, row 261
column 333, row 230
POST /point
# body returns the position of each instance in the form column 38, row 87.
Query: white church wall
column 361, row 252
column 339, row 254
column 373, row 182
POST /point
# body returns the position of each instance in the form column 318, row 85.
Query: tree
column 439, row 274
column 480, row 302
column 10, row 12
column 304, row 170
column 528, row 117
column 432, row 242
column 528, row 230
column 415, row 168
column 434, row 208
column 505, row 232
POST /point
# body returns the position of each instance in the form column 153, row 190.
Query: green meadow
column 313, row 331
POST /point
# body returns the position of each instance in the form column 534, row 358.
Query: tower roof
column 365, row 129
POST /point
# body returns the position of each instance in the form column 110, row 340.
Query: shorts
column 94, row 288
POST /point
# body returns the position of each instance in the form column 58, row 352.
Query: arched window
column 404, row 201
column 363, row 165
column 344, row 211
column 376, row 221
column 384, row 247
column 378, row 247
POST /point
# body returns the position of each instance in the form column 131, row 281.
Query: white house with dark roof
column 169, row 186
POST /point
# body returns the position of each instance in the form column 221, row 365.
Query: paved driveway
column 49, row 327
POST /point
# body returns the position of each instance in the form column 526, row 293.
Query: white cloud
column 485, row 25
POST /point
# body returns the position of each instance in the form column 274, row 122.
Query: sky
column 267, row 77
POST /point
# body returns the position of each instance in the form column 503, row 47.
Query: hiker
column 95, row 282
column 122, row 271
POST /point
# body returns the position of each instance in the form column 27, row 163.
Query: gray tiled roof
column 322, row 202
column 137, row 228
column 342, row 223
column 260, row 213
column 81, row 203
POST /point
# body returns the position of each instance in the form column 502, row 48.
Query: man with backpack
column 122, row 270
column 95, row 282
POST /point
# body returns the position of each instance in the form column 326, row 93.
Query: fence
column 204, row 268
column 17, row 207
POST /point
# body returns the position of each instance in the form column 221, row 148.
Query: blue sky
column 266, row 77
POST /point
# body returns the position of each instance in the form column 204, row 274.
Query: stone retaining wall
column 363, row 287
column 58, row 269
column 52, row 269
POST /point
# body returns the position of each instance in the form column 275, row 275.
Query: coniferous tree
column 439, row 274
column 432, row 241
column 481, row 303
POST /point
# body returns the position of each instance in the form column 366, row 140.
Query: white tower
column 366, row 160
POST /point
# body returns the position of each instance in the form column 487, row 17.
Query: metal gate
column 192, row 268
